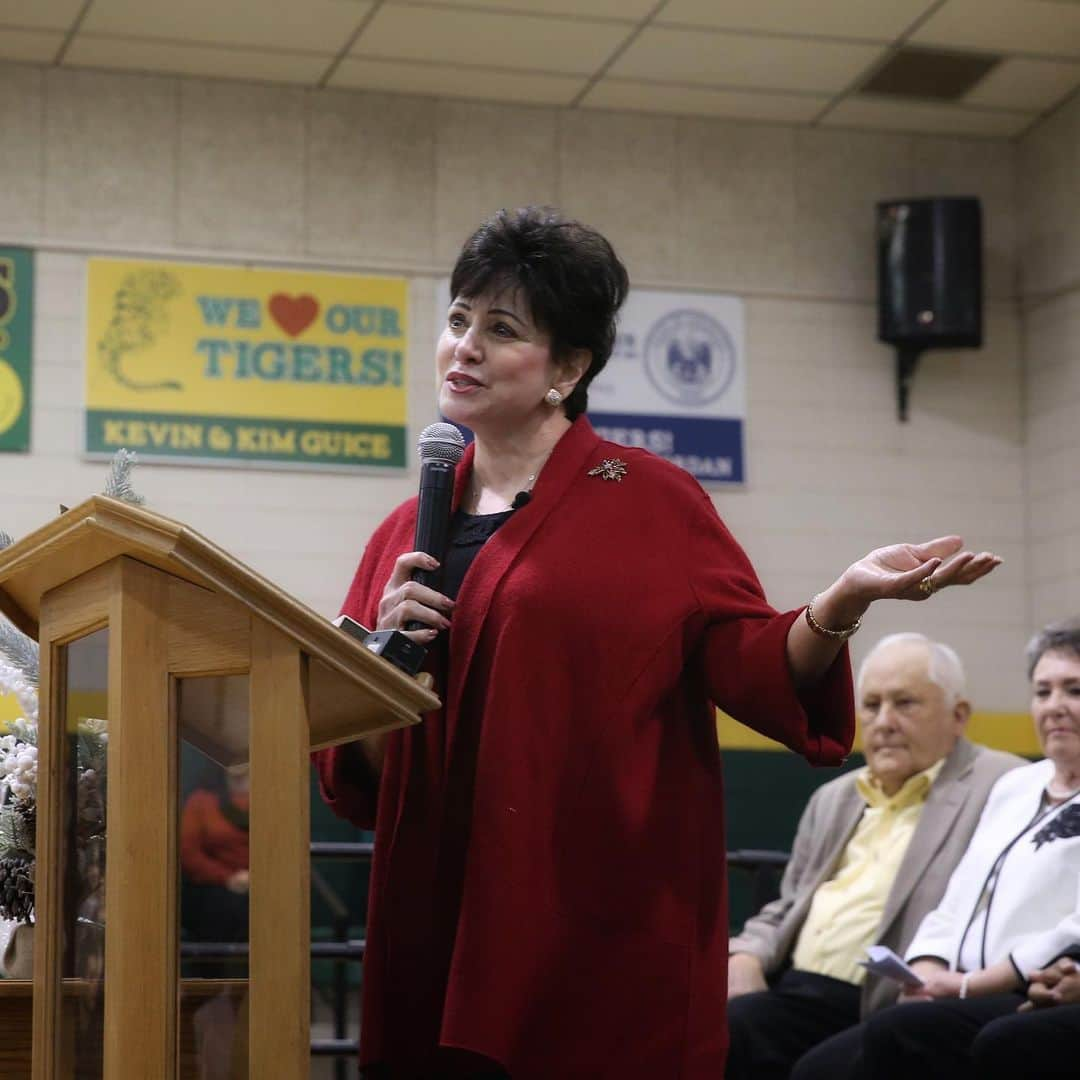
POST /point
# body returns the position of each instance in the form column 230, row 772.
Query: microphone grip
column 432, row 524
column 433, row 580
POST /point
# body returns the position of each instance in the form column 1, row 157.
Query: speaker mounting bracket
column 907, row 360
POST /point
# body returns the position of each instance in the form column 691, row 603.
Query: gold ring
column 927, row 586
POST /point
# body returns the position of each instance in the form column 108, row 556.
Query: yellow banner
column 9, row 710
column 1014, row 732
column 222, row 364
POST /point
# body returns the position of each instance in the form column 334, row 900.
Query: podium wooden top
column 102, row 529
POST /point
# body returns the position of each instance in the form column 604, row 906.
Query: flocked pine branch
column 118, row 484
column 8, row 827
column 16, row 829
column 20, row 651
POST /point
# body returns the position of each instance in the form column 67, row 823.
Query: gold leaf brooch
column 611, row 468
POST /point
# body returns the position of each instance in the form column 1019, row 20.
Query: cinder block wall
column 1049, row 264
column 99, row 163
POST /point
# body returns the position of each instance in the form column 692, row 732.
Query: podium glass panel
column 84, row 708
column 213, row 726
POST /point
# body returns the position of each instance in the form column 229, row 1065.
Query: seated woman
column 1011, row 907
column 214, row 866
column 1041, row 1039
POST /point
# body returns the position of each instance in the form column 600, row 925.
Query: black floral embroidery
column 479, row 528
column 1061, row 826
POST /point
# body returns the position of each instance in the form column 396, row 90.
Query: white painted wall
column 103, row 163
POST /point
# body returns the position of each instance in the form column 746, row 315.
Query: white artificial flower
column 19, row 760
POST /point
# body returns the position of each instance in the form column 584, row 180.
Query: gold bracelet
column 824, row 631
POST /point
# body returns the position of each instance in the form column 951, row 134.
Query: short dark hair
column 570, row 275
column 1063, row 636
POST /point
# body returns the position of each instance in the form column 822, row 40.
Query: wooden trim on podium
column 178, row 607
column 48, row 872
column 17, row 617
column 209, row 634
column 100, row 529
column 141, row 922
column 73, row 610
column 80, row 606
column 280, row 961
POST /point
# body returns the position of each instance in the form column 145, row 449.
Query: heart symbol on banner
column 294, row 314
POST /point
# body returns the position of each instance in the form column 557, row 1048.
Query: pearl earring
column 553, row 398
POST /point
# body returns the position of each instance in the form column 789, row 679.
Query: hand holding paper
column 884, row 962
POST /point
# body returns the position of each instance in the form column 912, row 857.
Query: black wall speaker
column 930, row 272
column 929, row 257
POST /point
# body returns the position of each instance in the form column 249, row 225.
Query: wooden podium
column 148, row 626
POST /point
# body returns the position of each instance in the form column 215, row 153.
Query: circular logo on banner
column 11, row 397
column 689, row 357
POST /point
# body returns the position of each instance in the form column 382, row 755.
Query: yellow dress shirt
column 846, row 910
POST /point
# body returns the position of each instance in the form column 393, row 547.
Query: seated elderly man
column 872, row 855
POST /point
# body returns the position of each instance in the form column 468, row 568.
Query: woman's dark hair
column 569, row 274
column 1061, row 636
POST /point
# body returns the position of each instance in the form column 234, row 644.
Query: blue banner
column 710, row 448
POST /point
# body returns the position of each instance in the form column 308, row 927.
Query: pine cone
column 17, row 887
column 26, row 827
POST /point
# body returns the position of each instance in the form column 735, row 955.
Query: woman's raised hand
column 915, row 571
column 896, row 572
column 404, row 600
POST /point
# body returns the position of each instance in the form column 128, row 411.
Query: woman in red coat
column 214, row 858
column 548, row 897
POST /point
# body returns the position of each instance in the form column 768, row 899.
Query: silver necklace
column 527, row 489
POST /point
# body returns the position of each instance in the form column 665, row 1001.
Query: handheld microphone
column 441, row 447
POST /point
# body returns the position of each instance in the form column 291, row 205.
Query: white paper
column 884, row 962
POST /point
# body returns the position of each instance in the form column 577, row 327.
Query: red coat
column 574, row 924
column 212, row 848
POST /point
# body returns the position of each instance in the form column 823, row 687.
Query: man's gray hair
column 1063, row 636
column 943, row 666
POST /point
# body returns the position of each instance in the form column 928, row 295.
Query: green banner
column 208, row 438
column 16, row 350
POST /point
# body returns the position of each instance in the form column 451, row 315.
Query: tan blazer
column 949, row 818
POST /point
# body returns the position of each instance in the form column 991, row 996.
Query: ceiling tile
column 31, row 46
column 39, row 15
column 484, row 39
column 1020, row 83
column 455, row 81
column 869, row 20
column 178, row 59
column 316, row 25
column 880, row 115
column 631, row 10
column 1047, row 27
column 733, row 60
column 700, row 101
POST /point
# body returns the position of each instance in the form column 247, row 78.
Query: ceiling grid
column 801, row 62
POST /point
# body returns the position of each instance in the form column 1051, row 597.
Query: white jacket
column 1031, row 862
